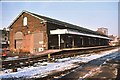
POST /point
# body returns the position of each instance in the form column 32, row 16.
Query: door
column 18, row 44
column 18, row 40
column 38, row 42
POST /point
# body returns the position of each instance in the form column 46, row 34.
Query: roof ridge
column 66, row 24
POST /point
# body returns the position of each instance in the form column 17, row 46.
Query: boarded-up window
column 18, row 40
column 18, row 44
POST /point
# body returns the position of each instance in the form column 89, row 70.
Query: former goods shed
column 31, row 32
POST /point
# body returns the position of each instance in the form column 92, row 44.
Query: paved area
column 109, row 70
column 106, row 72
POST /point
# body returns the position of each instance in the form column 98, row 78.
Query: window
column 25, row 21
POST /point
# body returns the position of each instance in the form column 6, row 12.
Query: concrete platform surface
column 51, row 51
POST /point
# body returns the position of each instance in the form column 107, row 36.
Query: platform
column 52, row 51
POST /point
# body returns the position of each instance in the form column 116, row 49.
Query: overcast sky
column 91, row 15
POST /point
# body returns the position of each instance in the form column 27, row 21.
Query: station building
column 31, row 32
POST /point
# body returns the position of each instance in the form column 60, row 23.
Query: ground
column 90, row 70
column 105, row 72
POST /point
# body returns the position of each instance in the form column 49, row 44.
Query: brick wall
column 34, row 25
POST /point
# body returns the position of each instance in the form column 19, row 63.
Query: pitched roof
column 65, row 24
column 68, row 25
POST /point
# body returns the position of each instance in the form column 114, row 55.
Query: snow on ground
column 87, row 57
column 45, row 68
column 42, row 70
column 12, row 58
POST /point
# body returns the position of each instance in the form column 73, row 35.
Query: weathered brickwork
column 34, row 25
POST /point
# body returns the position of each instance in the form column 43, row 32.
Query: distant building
column 115, row 40
column 103, row 31
column 4, row 38
column 112, row 37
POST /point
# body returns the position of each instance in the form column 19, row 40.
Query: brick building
column 34, row 33
column 115, row 40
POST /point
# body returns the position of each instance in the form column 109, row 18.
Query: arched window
column 25, row 21
column 18, row 35
column 18, row 40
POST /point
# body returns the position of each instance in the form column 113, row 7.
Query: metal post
column 59, row 40
column 89, row 41
column 73, row 42
column 98, row 41
column 82, row 41
column 94, row 42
